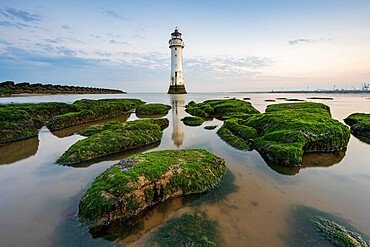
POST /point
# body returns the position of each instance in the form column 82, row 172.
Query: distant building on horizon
column 176, row 45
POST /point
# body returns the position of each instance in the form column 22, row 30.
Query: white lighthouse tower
column 177, row 78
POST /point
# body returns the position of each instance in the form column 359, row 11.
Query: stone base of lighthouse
column 177, row 89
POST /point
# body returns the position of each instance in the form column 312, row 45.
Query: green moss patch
column 187, row 230
column 210, row 127
column 192, row 121
column 15, row 124
column 143, row 180
column 360, row 124
column 118, row 138
column 285, row 131
column 93, row 110
column 222, row 109
column 294, row 100
column 311, row 227
column 152, row 109
column 270, row 100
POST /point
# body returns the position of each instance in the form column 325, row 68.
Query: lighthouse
column 176, row 45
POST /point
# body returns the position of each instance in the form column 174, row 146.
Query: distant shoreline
column 328, row 91
column 46, row 94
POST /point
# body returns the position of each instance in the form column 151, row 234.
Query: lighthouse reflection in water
column 177, row 103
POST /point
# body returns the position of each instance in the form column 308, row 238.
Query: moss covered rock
column 223, row 109
column 210, row 127
column 285, row 131
column 144, row 180
column 152, row 109
column 15, row 124
column 360, row 124
column 118, row 138
column 93, row 110
column 192, row 121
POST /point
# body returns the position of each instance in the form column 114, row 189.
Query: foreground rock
column 286, row 131
column 223, row 109
column 113, row 137
column 360, row 124
column 144, row 180
column 152, row 109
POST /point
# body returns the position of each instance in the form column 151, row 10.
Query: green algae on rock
column 119, row 137
column 360, row 124
column 15, row 124
column 93, row 110
column 210, row 127
column 192, row 121
column 222, row 109
column 144, row 180
column 152, row 109
column 285, row 131
column 190, row 229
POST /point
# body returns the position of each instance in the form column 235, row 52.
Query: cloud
column 14, row 24
column 12, row 13
column 296, row 41
column 114, row 14
column 67, row 27
column 95, row 36
column 112, row 41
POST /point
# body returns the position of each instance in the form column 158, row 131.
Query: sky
column 230, row 45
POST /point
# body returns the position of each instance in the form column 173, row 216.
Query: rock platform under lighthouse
column 179, row 89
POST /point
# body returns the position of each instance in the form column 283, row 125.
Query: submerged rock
column 118, row 137
column 311, row 227
column 223, row 109
column 360, row 124
column 190, row 229
column 336, row 234
column 152, row 109
column 285, row 131
column 144, row 180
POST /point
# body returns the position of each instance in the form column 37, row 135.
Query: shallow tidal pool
column 254, row 205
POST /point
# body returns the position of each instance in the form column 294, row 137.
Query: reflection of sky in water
column 35, row 191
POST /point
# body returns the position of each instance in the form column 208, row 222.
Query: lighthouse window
column 175, row 55
column 175, row 49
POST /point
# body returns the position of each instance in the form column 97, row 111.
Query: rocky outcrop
column 93, row 110
column 360, row 124
column 113, row 137
column 286, row 131
column 222, row 109
column 192, row 121
column 144, row 180
column 152, row 109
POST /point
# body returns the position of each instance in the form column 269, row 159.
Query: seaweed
column 312, row 227
column 190, row 229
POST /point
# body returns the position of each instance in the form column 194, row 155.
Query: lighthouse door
column 175, row 78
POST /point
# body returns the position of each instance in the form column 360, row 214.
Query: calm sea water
column 39, row 199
